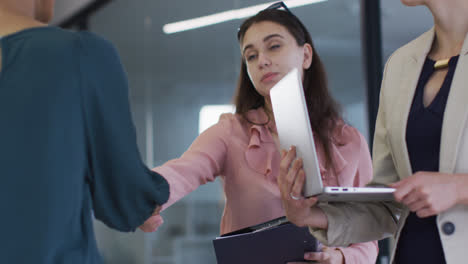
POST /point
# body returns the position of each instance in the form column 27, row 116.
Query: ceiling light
column 228, row 15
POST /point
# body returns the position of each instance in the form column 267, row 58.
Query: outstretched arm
column 201, row 163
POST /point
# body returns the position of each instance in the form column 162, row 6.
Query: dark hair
column 324, row 111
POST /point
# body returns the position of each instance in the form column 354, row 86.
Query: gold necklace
column 441, row 64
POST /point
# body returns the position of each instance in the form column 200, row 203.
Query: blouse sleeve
column 201, row 163
column 361, row 253
column 124, row 191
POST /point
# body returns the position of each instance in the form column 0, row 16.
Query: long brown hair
column 324, row 111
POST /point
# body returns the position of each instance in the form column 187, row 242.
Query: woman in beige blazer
column 420, row 148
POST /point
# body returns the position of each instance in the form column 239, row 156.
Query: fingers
column 145, row 228
column 148, row 226
column 152, row 224
column 298, row 179
column 426, row 193
column 157, row 210
column 292, row 173
column 417, row 205
column 288, row 172
column 286, row 160
column 285, row 164
column 417, row 199
column 317, row 256
column 328, row 255
column 283, row 153
column 403, row 188
column 426, row 212
column 410, row 198
column 412, row 194
column 411, row 184
column 397, row 184
column 311, row 201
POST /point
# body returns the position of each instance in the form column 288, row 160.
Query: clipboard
column 274, row 242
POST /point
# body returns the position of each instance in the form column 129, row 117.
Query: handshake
column 153, row 222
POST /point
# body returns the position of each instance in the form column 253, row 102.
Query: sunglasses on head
column 279, row 5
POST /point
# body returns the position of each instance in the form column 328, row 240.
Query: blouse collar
column 260, row 132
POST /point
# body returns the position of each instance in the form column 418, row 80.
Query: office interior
column 172, row 77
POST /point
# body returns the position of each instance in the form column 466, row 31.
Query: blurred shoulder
column 230, row 120
column 94, row 43
column 99, row 53
column 412, row 49
column 44, row 36
column 347, row 135
column 54, row 39
column 235, row 123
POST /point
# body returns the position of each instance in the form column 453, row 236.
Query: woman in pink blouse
column 243, row 148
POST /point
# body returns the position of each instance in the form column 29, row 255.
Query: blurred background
column 173, row 76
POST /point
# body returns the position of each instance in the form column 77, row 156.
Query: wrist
column 342, row 257
column 462, row 188
column 317, row 219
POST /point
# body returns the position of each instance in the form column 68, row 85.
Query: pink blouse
column 246, row 158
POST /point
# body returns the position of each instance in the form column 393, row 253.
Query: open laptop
column 293, row 125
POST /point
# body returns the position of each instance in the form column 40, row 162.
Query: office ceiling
column 334, row 25
column 210, row 55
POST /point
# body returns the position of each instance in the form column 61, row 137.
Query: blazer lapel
column 412, row 71
column 405, row 98
column 456, row 113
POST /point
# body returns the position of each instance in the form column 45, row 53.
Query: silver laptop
column 293, row 125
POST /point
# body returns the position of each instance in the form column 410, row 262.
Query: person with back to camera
column 420, row 148
column 243, row 148
column 68, row 147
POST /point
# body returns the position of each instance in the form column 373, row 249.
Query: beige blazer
column 352, row 222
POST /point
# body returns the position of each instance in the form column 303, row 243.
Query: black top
column 67, row 148
column 419, row 240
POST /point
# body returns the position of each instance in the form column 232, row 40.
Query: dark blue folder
column 274, row 242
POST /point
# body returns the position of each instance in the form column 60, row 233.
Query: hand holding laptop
column 291, row 115
column 302, row 211
column 303, row 176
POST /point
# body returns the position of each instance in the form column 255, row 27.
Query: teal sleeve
column 124, row 191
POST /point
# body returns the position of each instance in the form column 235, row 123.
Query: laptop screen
column 293, row 125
